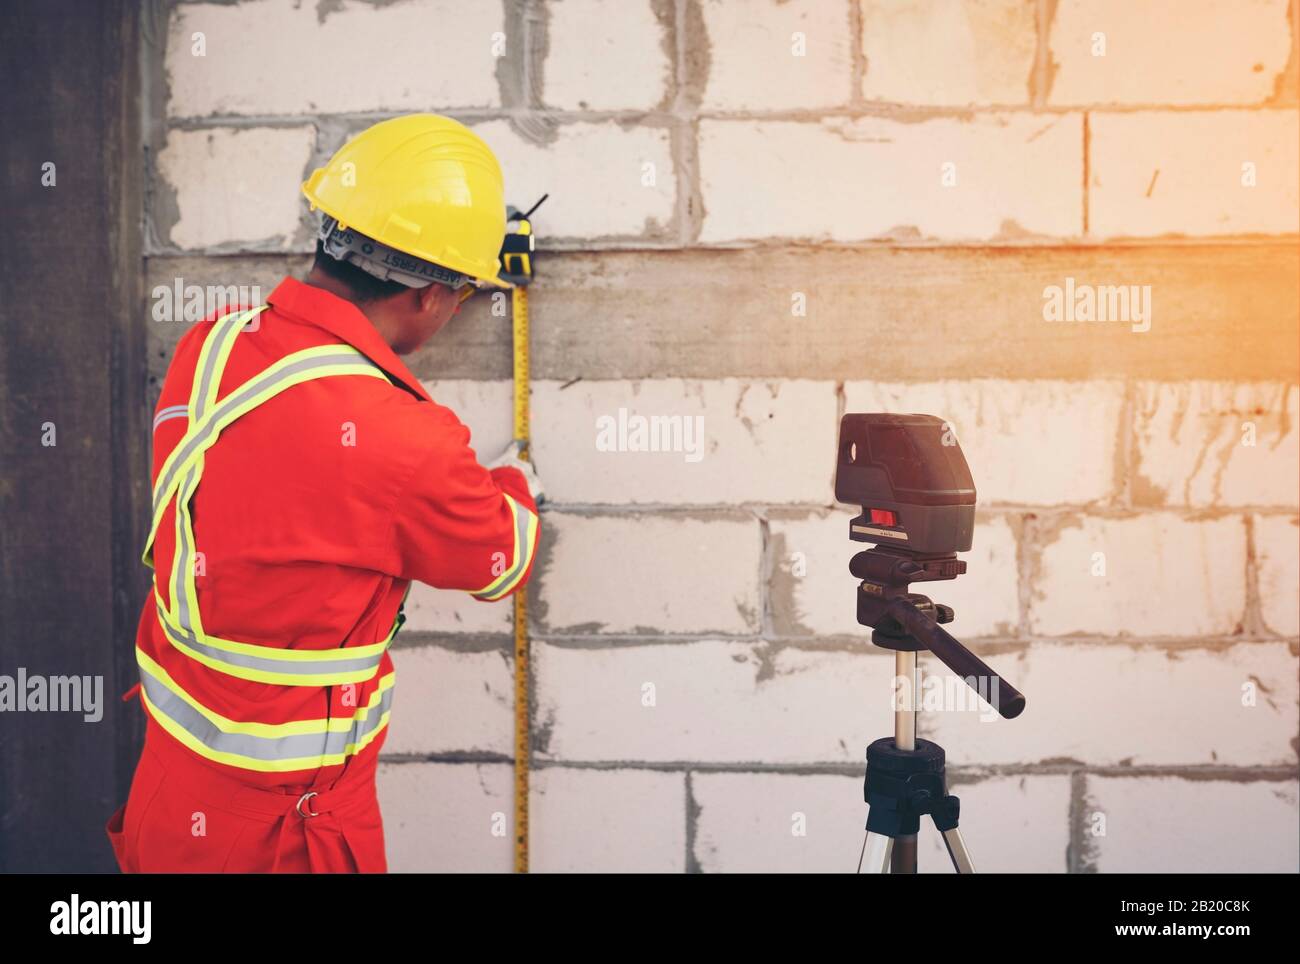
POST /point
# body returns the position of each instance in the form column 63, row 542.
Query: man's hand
column 511, row 457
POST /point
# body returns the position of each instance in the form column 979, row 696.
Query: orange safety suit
column 303, row 478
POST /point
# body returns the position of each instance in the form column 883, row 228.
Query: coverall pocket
column 123, row 826
column 181, row 833
column 117, row 837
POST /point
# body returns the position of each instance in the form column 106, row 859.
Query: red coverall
column 314, row 512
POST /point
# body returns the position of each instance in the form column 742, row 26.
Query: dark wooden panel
column 71, row 354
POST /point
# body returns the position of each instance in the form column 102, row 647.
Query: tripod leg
column 961, row 861
column 904, row 855
column 876, row 851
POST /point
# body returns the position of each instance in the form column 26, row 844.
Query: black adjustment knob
column 942, row 613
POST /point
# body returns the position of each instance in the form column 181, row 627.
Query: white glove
column 511, row 458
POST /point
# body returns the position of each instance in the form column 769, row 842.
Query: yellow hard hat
column 423, row 184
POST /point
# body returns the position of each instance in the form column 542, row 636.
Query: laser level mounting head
column 908, row 474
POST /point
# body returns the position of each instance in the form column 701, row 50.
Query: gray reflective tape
column 312, row 671
column 309, row 670
column 522, row 519
column 170, row 412
column 297, row 746
column 259, row 384
column 215, row 336
column 180, row 599
column 296, row 667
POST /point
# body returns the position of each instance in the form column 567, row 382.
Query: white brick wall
column 1210, row 443
column 447, row 817
column 459, row 818
column 1217, row 51
column 605, row 55
column 1148, row 821
column 945, row 54
column 451, row 702
column 774, row 55
column 448, row 611
column 1155, row 574
column 1190, row 173
column 585, row 819
column 651, row 574
column 800, row 124
column 1017, row 174
column 280, row 57
column 773, row 822
column 853, row 180
column 1108, row 705
column 1276, row 540
column 744, row 457
column 233, row 185
column 717, row 701
column 614, row 180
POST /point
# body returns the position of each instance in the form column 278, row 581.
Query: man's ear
column 429, row 297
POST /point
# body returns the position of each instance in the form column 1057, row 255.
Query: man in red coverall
column 302, row 479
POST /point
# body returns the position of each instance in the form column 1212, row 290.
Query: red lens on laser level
column 884, row 517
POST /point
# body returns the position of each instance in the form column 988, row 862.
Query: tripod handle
column 1001, row 695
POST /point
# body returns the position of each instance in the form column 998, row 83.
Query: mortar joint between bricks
column 858, row 65
column 766, row 572
column 1252, row 620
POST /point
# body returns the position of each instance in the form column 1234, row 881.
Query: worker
column 302, row 479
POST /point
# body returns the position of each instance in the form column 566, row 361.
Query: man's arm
column 461, row 526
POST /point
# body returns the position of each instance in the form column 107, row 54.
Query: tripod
column 905, row 778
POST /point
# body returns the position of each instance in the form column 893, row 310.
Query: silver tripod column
column 907, row 679
column 908, row 764
column 880, row 853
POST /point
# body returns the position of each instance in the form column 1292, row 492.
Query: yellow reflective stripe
column 183, row 624
column 204, row 362
column 496, row 582
column 212, row 358
column 525, row 545
column 222, row 417
column 271, row 730
column 287, row 655
column 175, row 583
column 203, row 388
column 262, row 766
column 189, row 448
column 518, row 577
column 183, row 563
column 269, row 747
column 332, row 678
column 225, row 341
column 181, row 619
column 282, row 765
column 179, row 459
